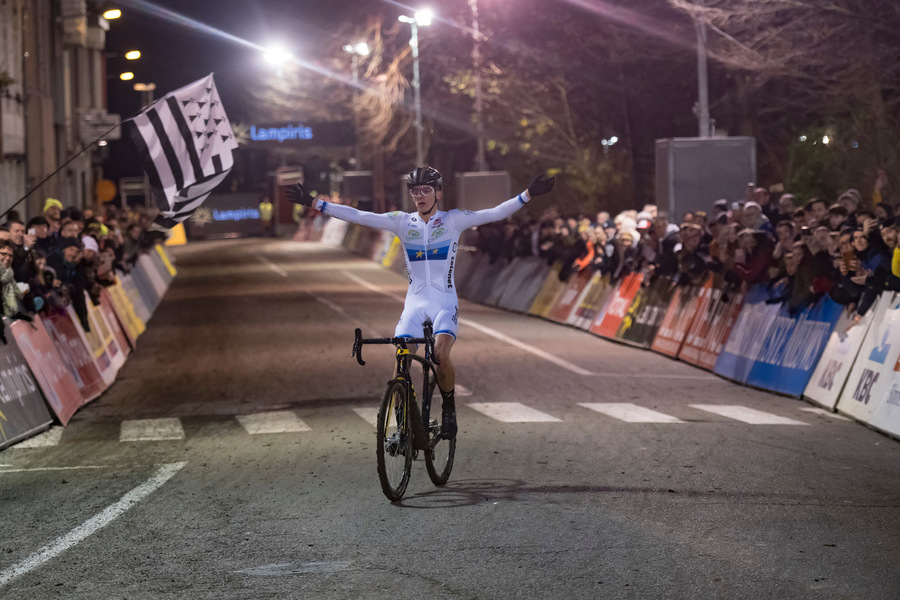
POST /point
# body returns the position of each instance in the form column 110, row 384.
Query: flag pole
column 62, row 166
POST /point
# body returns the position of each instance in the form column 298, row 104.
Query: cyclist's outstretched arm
column 465, row 219
column 389, row 221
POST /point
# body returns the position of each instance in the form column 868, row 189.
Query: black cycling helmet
column 424, row 176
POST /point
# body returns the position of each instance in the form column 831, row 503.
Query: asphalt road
column 577, row 504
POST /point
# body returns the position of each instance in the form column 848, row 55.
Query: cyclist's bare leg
column 446, row 374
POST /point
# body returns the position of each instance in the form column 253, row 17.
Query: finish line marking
column 49, row 438
column 488, row 331
column 279, row 421
column 151, row 430
column 92, row 525
column 512, row 412
column 746, row 415
column 630, row 413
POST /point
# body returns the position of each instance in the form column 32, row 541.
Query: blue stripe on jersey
column 417, row 253
column 522, row 198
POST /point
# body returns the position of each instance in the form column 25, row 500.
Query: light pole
column 423, row 18
column 357, row 50
column 476, row 63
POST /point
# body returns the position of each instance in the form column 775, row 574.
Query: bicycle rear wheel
column 394, row 442
column 439, row 458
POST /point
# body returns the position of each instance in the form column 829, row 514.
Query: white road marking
column 279, row 421
column 461, row 390
column 49, row 438
column 92, row 525
column 512, row 412
column 373, row 287
column 746, row 415
column 272, row 265
column 527, row 347
column 151, row 430
column 368, row 413
column 826, row 413
column 630, row 413
column 28, row 470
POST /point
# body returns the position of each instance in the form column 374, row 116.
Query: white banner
column 840, row 353
column 870, row 378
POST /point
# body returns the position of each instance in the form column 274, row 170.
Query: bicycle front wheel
column 394, row 443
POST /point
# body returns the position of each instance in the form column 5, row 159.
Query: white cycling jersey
column 430, row 252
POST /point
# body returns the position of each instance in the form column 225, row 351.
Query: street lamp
column 132, row 55
column 278, row 56
column 146, row 90
column 357, row 50
column 421, row 18
column 608, row 143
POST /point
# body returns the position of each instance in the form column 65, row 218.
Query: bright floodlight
column 126, row 76
column 825, row 139
column 113, row 13
column 613, row 140
column 423, row 17
column 362, row 49
column 133, row 54
column 278, row 56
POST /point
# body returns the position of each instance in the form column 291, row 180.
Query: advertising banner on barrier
column 139, row 305
column 675, row 324
column 551, row 288
column 334, row 232
column 75, row 355
column 48, row 368
column 870, row 379
column 151, row 270
column 528, row 279
column 92, row 341
column 592, row 301
column 167, row 261
column 22, row 409
column 491, row 279
column 392, row 252
column 144, row 285
column 710, row 329
column 646, row 313
column 567, row 302
column 385, row 239
column 131, row 323
column 607, row 323
column 840, row 353
column 792, row 349
column 748, row 335
column 886, row 411
column 112, row 321
column 504, row 280
column 102, row 335
column 352, row 237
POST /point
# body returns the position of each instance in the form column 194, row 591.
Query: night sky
column 175, row 54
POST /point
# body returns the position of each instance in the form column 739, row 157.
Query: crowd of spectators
column 50, row 262
column 801, row 251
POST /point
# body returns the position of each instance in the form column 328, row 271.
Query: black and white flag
column 185, row 142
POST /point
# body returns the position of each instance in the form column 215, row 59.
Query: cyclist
column 430, row 239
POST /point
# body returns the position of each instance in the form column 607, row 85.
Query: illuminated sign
column 235, row 215
column 281, row 134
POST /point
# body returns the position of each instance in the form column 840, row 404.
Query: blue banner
column 793, row 347
column 748, row 335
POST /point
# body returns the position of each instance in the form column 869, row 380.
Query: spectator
column 837, row 218
column 692, row 262
column 67, row 264
column 41, row 228
column 786, row 207
column 850, row 199
column 754, row 219
column 52, row 210
column 757, row 247
column 816, row 212
column 21, row 242
column 884, row 212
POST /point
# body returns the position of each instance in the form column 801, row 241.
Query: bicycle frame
column 419, row 419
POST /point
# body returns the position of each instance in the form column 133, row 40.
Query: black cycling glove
column 541, row 185
column 298, row 195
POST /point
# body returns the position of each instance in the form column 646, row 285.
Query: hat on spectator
column 720, row 205
column 643, row 216
column 50, row 202
column 752, row 204
column 631, row 235
column 851, row 193
column 746, row 231
column 69, row 242
column 837, row 209
column 90, row 243
column 644, row 224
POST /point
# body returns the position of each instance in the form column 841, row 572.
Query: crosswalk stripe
column 368, row 413
column 49, row 438
column 151, row 430
column 630, row 413
column 278, row 421
column 512, row 412
column 826, row 413
column 746, row 415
